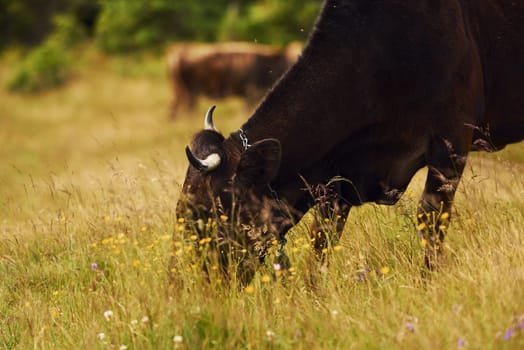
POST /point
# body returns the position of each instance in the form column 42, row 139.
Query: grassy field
column 89, row 178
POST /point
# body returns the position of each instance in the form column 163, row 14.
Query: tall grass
column 89, row 178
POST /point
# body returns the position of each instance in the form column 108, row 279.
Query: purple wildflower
column 94, row 266
column 508, row 334
column 461, row 342
column 410, row 327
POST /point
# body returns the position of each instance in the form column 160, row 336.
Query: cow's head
column 224, row 192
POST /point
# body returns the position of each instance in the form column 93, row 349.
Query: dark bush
column 29, row 22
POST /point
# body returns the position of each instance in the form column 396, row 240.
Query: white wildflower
column 108, row 315
column 178, row 339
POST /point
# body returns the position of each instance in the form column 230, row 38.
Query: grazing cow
column 225, row 69
column 382, row 89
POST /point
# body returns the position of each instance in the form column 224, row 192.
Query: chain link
column 243, row 138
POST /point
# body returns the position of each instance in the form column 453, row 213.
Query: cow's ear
column 259, row 163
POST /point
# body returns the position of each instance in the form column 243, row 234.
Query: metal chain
column 243, row 138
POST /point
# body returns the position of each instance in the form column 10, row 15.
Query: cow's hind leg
column 446, row 159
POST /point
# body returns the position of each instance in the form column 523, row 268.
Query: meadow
column 89, row 177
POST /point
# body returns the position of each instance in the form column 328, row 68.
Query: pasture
column 89, row 177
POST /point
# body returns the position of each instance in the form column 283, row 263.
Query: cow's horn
column 208, row 125
column 210, row 163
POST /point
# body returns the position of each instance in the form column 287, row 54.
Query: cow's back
column 222, row 69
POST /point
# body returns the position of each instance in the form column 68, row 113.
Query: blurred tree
column 29, row 22
column 130, row 25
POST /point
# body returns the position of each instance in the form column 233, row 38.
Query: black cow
column 382, row 89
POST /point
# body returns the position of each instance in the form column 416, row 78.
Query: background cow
column 225, row 69
column 382, row 89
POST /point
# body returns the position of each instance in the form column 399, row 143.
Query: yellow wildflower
column 384, row 270
column 265, row 278
column 250, row 289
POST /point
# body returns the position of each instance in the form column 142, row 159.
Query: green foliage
column 50, row 64
column 270, row 21
column 120, row 26
column 125, row 26
column 67, row 31
column 45, row 67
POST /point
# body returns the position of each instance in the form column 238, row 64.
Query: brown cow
column 225, row 69
column 382, row 89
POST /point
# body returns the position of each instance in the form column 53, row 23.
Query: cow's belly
column 381, row 173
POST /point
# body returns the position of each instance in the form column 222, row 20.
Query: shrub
column 50, row 64
column 46, row 66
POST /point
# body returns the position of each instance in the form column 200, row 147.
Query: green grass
column 90, row 173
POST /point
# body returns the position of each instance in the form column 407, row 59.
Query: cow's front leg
column 328, row 223
column 446, row 161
